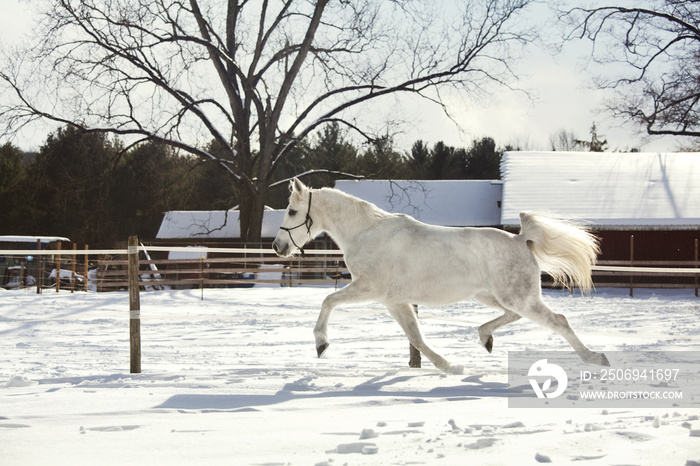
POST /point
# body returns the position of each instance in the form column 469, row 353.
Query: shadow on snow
column 472, row 388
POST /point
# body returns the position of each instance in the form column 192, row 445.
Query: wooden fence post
column 85, row 279
column 414, row 355
column 201, row 277
column 58, row 267
column 134, row 306
column 72, row 270
column 696, row 266
column 631, row 260
column 40, row 267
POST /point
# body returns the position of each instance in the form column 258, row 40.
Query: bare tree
column 658, row 42
column 563, row 141
column 281, row 68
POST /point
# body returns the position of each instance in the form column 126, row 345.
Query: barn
column 457, row 203
column 448, row 203
column 645, row 207
column 212, row 227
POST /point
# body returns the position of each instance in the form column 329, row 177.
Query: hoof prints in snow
column 358, row 447
column 84, row 430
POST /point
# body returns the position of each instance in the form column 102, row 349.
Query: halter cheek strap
column 308, row 222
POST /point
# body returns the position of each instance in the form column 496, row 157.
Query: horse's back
column 404, row 259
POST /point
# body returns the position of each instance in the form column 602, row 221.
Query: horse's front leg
column 353, row 293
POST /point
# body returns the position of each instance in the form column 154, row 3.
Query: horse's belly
column 438, row 272
column 433, row 290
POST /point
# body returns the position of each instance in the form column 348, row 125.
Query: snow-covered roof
column 609, row 190
column 447, row 203
column 31, row 239
column 213, row 224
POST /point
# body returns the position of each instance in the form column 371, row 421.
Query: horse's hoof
column 322, row 349
column 489, row 344
column 456, row 369
column 596, row 358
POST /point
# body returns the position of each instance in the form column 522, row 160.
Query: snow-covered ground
column 234, row 379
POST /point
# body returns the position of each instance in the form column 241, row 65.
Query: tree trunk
column 252, row 208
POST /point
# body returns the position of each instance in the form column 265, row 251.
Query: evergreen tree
column 329, row 150
column 69, row 187
column 440, row 161
column 150, row 180
column 12, row 175
column 483, row 160
column 419, row 158
column 380, row 161
column 595, row 144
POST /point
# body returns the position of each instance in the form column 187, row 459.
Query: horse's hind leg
column 404, row 315
column 487, row 329
column 541, row 314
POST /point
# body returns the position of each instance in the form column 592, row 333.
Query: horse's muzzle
column 281, row 251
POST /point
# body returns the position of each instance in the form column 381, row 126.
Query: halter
column 307, row 223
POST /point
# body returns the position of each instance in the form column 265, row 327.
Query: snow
column 605, row 189
column 448, row 202
column 31, row 239
column 233, row 379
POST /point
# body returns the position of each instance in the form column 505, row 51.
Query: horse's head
column 296, row 229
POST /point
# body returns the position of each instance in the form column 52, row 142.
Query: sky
column 561, row 98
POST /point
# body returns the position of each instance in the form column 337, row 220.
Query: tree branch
column 661, row 46
column 314, row 172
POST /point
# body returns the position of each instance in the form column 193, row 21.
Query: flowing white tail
column 563, row 249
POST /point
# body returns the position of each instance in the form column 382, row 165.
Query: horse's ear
column 296, row 186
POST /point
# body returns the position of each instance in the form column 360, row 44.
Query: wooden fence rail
column 647, row 274
column 224, row 272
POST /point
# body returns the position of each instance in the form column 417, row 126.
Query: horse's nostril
column 275, row 247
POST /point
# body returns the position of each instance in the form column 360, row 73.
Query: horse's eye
column 292, row 212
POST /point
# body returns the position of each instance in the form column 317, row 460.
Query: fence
column 106, row 270
column 243, row 268
column 648, row 274
column 633, row 273
column 47, row 269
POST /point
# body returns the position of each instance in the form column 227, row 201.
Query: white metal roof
column 31, row 239
column 609, row 190
column 213, row 224
column 447, row 203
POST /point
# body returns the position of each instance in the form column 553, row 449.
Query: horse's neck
column 343, row 217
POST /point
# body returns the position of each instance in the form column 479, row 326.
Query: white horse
column 398, row 261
